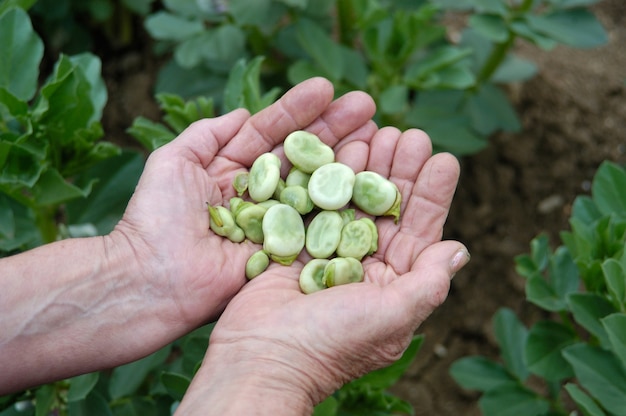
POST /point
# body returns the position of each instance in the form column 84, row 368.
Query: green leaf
column 615, row 327
column 514, row 69
column 490, row 6
column 20, row 165
column 9, row 4
column 225, row 46
column 513, row 400
column 600, row 373
column 608, row 187
column 323, row 51
column 167, row 26
column 388, row 376
column 116, row 181
column 20, row 54
column 493, row 27
column 126, row 379
column 491, row 110
column 53, row 189
column 150, row 134
column 574, row 27
column 191, row 82
column 93, row 405
column 511, row 335
column 7, row 218
column 550, row 292
column 542, row 355
column 438, row 59
column 243, row 88
column 328, row 407
column 92, row 68
column 81, row 386
column 480, row 373
column 175, row 384
column 523, row 28
column 44, row 399
column 394, row 99
column 615, row 277
column 588, row 309
column 245, row 12
column 586, row 403
column 585, row 210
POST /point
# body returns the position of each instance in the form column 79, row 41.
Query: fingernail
column 460, row 259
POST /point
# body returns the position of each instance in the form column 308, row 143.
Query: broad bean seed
column 264, row 177
column 222, row 222
column 257, row 264
column 330, row 186
column 306, row 151
column 323, row 234
column 343, row 270
column 376, row 195
column 312, row 276
column 356, row 240
column 284, row 234
column 298, row 198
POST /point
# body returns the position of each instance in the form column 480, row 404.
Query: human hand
column 295, row 349
column 166, row 223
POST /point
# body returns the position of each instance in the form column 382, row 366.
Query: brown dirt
column 573, row 114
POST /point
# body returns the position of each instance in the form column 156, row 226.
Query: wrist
column 234, row 380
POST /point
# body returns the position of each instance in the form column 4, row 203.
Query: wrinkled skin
column 314, row 343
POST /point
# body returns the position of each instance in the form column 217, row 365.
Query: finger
column 298, row 108
column 411, row 152
column 202, row 139
column 354, row 149
column 426, row 286
column 425, row 211
column 344, row 116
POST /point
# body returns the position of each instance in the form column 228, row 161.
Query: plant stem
column 345, row 19
column 45, row 218
column 495, row 59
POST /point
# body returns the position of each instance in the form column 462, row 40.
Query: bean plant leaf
column 116, row 181
column 126, row 379
column 615, row 327
column 574, row 27
column 323, row 51
column 511, row 335
column 608, row 187
column 490, row 110
column 175, row 384
column 91, row 68
column 588, row 309
column 394, row 99
column 386, row 377
column 550, row 291
column 81, row 386
column 492, row 27
column 615, row 277
column 586, row 403
column 22, row 4
column 600, row 373
column 20, row 55
column 546, row 341
column 150, row 134
column 480, row 373
column 512, row 400
column 93, row 405
column 167, row 26
column 53, row 189
column 243, row 89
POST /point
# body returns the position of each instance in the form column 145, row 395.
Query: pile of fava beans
column 319, row 192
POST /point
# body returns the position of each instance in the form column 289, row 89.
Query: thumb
column 425, row 287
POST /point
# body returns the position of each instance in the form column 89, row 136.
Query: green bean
column 323, row 234
column 240, row 182
column 343, row 270
column 264, row 177
column 284, row 234
column 330, row 187
column 356, row 240
column 376, row 195
column 306, row 151
column 374, row 230
column 222, row 222
column 250, row 220
column 257, row 264
column 297, row 177
column 312, row 276
column 279, row 188
column 298, row 198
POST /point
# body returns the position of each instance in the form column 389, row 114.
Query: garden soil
column 523, row 184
